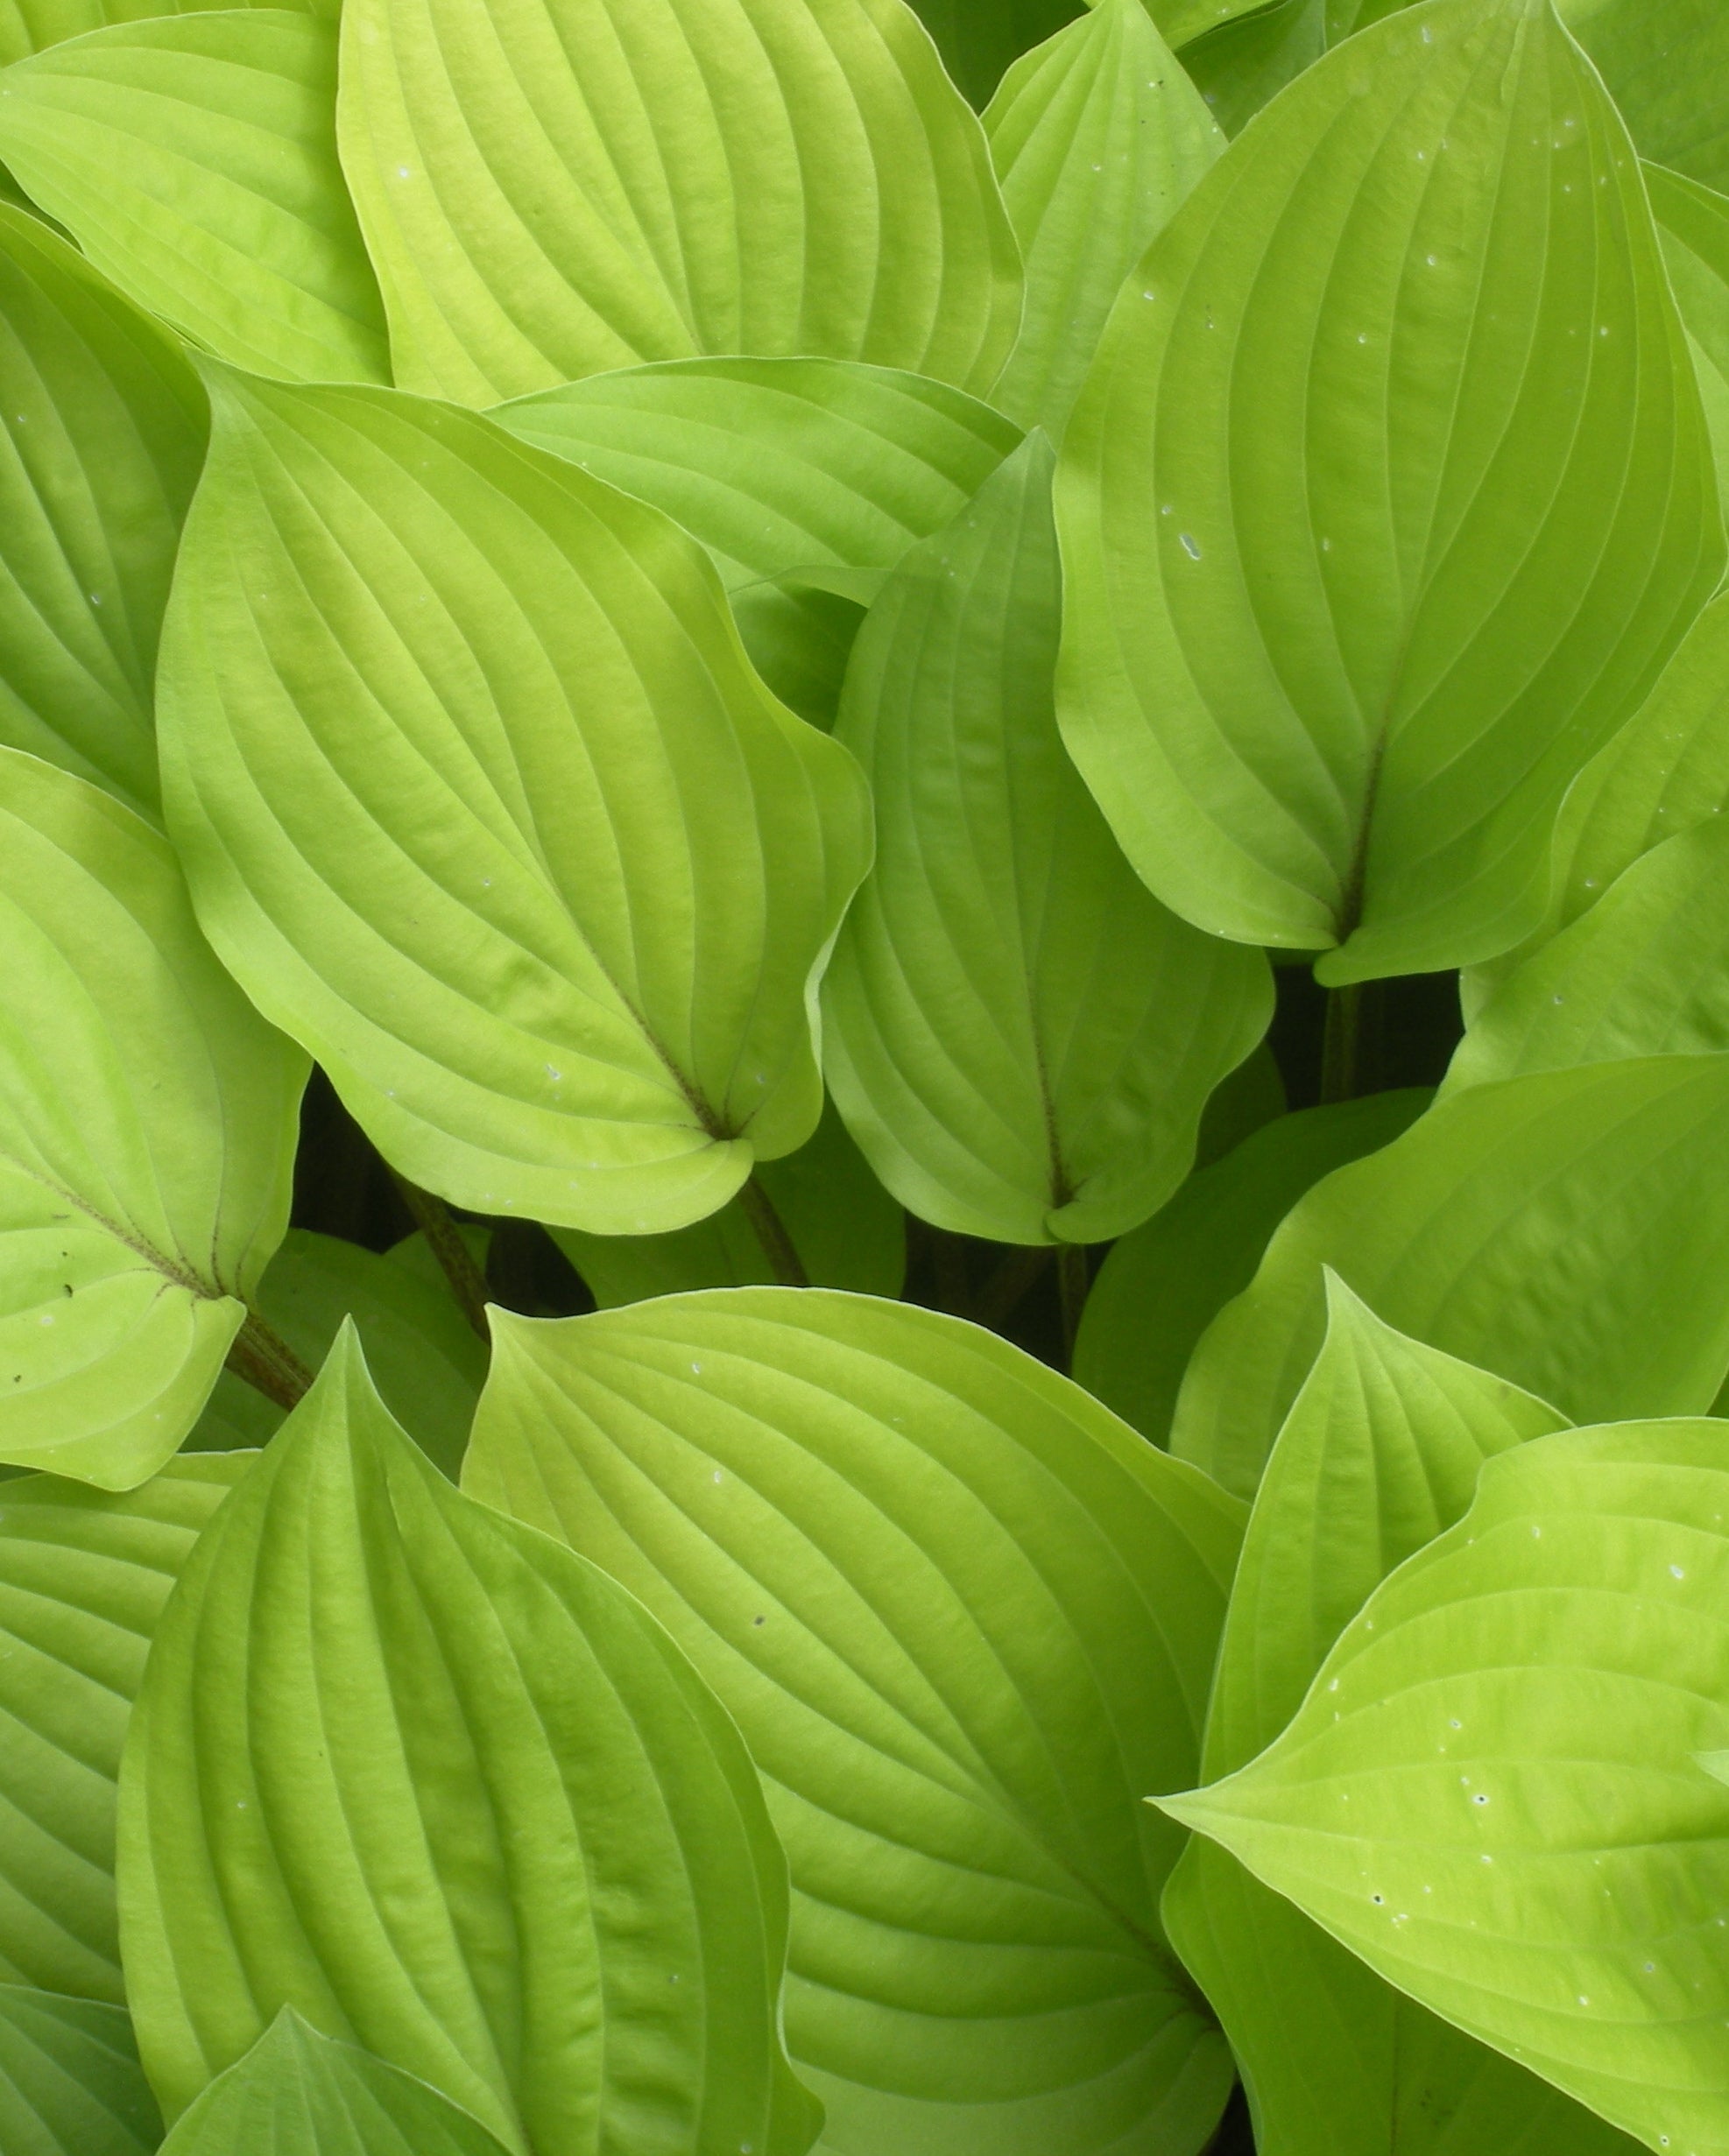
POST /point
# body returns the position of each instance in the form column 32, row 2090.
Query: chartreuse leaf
column 1693, row 224
column 1645, row 972
column 478, row 793
column 1019, row 1036
column 297, row 2093
column 84, row 1577
column 846, row 1228
column 70, row 2081
column 1563, row 1229
column 1381, row 1451
column 1491, row 1795
column 1098, row 137
column 102, row 434
column 194, row 158
column 147, row 1127
column 780, row 466
column 1329, row 679
column 552, row 187
column 446, row 1792
column 965, row 1620
column 1665, row 62
column 1160, row 1287
column 27, row 25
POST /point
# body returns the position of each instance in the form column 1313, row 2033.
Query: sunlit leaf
column 84, row 1577
column 479, row 797
column 1019, row 1036
column 1330, row 673
column 1565, row 1230
column 70, row 2081
column 194, row 157
column 1098, row 138
column 441, row 1789
column 27, row 25
column 147, row 1124
column 965, row 1620
column 761, row 176
column 1161, row 1286
column 1491, row 1795
column 102, row 434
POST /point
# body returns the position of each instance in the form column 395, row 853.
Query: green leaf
column 84, row 1577
column 1645, row 972
column 843, row 1224
column 1565, row 1230
column 70, row 2082
column 443, row 1788
column 1330, row 679
column 194, row 158
column 1491, row 1793
column 1245, row 63
column 297, row 2093
column 977, row 38
column 775, row 177
column 965, row 1620
column 1019, row 1036
column 27, row 25
column 1161, row 1286
column 1098, row 138
column 1693, row 224
column 104, row 434
column 480, row 798
column 1250, row 1099
column 1665, row 63
column 784, row 468
column 147, row 1128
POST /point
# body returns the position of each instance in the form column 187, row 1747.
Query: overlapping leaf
column 479, row 797
column 27, row 25
column 1332, row 656
column 1492, row 1795
column 552, row 187
column 1564, row 1230
column 1098, row 138
column 1245, row 63
column 1019, row 1036
column 70, row 2081
column 147, row 1120
column 194, row 157
column 102, row 432
column 966, row 1620
column 1163, row 1286
column 1665, row 62
column 1693, row 223
column 977, row 38
column 84, row 1577
column 446, row 1791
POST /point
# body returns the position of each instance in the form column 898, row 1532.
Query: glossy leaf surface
column 84, row 1577
column 554, row 188
column 70, row 2081
column 1019, row 1036
column 194, row 157
column 479, row 797
column 1330, row 673
column 147, row 1123
column 1563, row 1230
column 1492, row 1793
column 965, row 1620
column 1098, row 138
column 103, row 438
column 1160, row 1287
column 442, row 1789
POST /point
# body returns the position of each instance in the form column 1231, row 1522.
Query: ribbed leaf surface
column 70, row 2081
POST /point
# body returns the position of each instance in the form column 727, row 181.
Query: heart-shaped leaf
column 479, row 796
column 70, row 2081
column 1328, row 677
column 966, row 1620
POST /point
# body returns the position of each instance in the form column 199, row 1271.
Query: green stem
column 468, row 1282
column 777, row 1246
column 1074, row 1277
column 1014, row 1279
column 1342, row 1045
column 264, row 1358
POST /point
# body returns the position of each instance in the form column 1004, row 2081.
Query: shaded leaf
column 1491, row 1793
column 1163, row 1286
column 194, row 158
column 84, row 1577
column 760, row 176
column 104, row 434
column 1245, row 63
column 147, row 1129
column 1251, row 1097
column 479, row 794
column 977, row 38
column 1564, row 1230
column 70, row 2081
column 965, row 1620
column 1329, row 679
column 1665, row 62
column 440, row 1789
column 1098, row 138
column 1693, row 224
column 28, row 25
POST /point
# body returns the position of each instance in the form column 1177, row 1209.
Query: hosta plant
column 864, row 1078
